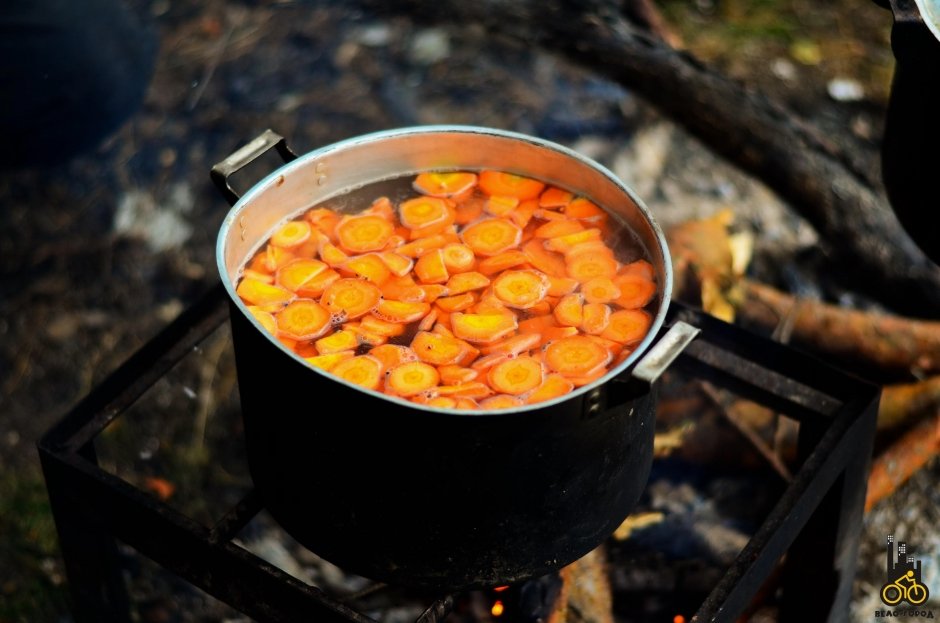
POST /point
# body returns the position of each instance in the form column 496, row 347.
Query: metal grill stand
column 816, row 523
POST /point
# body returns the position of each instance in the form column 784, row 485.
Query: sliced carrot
column 275, row 257
column 537, row 324
column 582, row 208
column 391, row 355
column 515, row 376
column 440, row 325
column 458, row 258
column 560, row 286
column 552, row 264
column 570, row 310
column 258, row 275
column 565, row 242
column 382, row 207
column 366, row 337
column 289, row 343
column 553, row 334
column 587, row 379
column 378, row 326
column 433, row 291
column 437, row 349
column 509, row 185
column 613, row 347
column 328, row 362
column 641, row 268
column 291, row 234
column 554, row 229
column 364, row 233
column 324, row 220
column 456, row 375
column 399, row 265
column 549, row 215
column 401, row 311
column 315, row 286
column 425, row 212
column 589, row 265
column 628, row 326
column 541, row 308
column 473, row 389
column 600, row 290
column 442, row 402
column 303, row 319
column 457, row 303
column 514, row 345
column 298, row 272
column 364, row 370
column 484, row 363
column 417, row 248
column 524, row 213
column 635, row 290
column 369, row 267
column 554, row 197
column 430, row 267
column 492, row 236
column 331, row 254
column 465, row 282
column 394, row 241
column 502, row 261
column 264, row 318
column 498, row 205
column 336, row 342
column 596, row 318
column 597, row 247
column 466, row 404
column 412, row 378
column 264, row 295
column 444, row 184
column 501, row 401
column 469, row 210
column 427, row 323
column 350, row 298
column 576, row 356
column 482, row 328
column 521, row 288
column 403, row 289
column 553, row 386
column 305, row 349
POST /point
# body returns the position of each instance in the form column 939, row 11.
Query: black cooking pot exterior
column 422, row 496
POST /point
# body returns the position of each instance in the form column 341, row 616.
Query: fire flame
column 500, row 589
column 678, row 619
column 497, row 609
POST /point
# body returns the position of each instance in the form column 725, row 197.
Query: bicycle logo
column 907, row 585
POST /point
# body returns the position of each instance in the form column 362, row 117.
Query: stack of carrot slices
column 485, row 291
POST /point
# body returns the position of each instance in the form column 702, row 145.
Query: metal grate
column 816, row 522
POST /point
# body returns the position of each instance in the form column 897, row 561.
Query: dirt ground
column 99, row 253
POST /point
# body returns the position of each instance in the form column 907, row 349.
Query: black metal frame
column 816, row 523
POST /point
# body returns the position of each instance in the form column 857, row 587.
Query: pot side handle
column 263, row 143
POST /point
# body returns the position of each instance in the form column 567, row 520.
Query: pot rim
column 259, row 187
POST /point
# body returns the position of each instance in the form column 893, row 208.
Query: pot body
column 421, row 496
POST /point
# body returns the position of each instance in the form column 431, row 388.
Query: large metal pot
column 422, row 496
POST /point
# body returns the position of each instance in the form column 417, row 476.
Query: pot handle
column 266, row 141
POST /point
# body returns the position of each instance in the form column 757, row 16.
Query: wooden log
column 853, row 219
column 898, row 463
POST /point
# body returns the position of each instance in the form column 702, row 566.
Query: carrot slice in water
column 501, row 401
column 369, row 267
column 641, row 268
column 521, row 288
column 600, row 290
column 596, row 318
column 315, row 286
column 509, row 185
column 553, row 386
column 635, row 290
column 576, row 356
column 377, row 326
column 492, row 236
column 382, row 207
column 328, row 362
column 437, row 349
column 483, row 328
column 264, row 295
column 291, row 234
column 264, row 318
column 298, row 272
column 391, row 355
column 457, row 303
column 514, row 345
column 515, row 376
column 350, row 298
column 628, row 326
column 588, row 265
column 337, row 342
column 412, row 378
column 403, row 289
column 363, row 370
column 430, row 267
column 473, row 389
column 401, row 311
column 324, row 219
column 365, row 336
column 554, row 229
column 565, row 242
column 582, row 208
column 420, row 246
column 399, row 265
column 424, row 212
column 427, row 323
column 570, row 310
column 258, row 275
column 444, row 184
column 560, row 286
column 524, row 213
column 303, row 319
column 537, row 324
column 553, row 334
column 469, row 210
column 458, row 258
column 501, row 262
column 455, row 375
column 552, row 264
column 363, row 233
column 465, row 282
column 331, row 254
column 499, row 205
column 275, row 257
column 555, row 198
